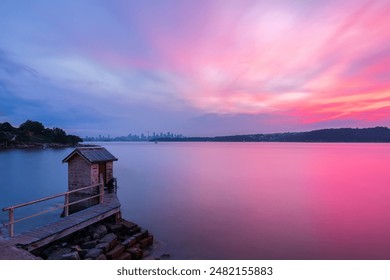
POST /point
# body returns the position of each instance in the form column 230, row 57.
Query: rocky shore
column 31, row 145
column 105, row 240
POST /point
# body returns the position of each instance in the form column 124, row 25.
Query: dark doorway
column 102, row 171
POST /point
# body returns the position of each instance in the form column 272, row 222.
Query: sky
column 203, row 67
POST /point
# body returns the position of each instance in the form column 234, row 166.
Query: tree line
column 35, row 132
column 335, row 135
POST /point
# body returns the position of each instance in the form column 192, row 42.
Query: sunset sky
column 214, row 67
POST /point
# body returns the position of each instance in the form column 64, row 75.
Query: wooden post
column 101, row 193
column 11, row 222
column 66, row 210
column 101, row 188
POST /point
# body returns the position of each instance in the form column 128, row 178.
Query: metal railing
column 11, row 209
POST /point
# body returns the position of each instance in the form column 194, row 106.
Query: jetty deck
column 62, row 227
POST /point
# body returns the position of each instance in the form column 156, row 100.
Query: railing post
column 101, row 188
column 11, row 222
column 101, row 193
column 66, row 209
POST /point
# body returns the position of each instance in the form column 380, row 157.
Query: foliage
column 32, row 126
column 35, row 132
column 347, row 135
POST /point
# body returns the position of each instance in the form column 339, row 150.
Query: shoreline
column 40, row 146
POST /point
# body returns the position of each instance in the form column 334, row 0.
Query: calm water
column 236, row 200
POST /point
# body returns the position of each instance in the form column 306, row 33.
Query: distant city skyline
column 134, row 137
column 199, row 68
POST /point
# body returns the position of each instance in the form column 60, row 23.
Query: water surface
column 238, row 200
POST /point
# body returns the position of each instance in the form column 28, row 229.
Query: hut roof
column 92, row 154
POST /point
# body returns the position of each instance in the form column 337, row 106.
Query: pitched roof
column 92, row 154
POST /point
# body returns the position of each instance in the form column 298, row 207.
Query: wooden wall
column 109, row 171
column 80, row 174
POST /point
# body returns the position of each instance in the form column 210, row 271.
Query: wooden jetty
column 92, row 166
column 62, row 227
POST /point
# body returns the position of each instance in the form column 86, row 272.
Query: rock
column 128, row 225
column 58, row 253
column 141, row 235
column 124, row 256
column 134, row 230
column 83, row 253
column 79, row 240
column 109, row 238
column 100, row 230
column 102, row 257
column 116, row 252
column 49, row 251
column 129, row 242
column 76, row 248
column 95, row 236
column 115, row 228
column 93, row 253
column 136, row 253
column 104, row 246
column 89, row 244
column 146, row 242
column 71, row 256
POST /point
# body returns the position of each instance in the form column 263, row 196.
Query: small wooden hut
column 86, row 167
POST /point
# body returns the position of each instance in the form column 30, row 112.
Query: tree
column 32, row 126
column 7, row 127
column 59, row 136
column 73, row 139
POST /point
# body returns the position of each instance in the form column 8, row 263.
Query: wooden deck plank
column 61, row 227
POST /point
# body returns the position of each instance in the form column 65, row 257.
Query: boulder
column 141, row 235
column 98, row 230
column 104, row 246
column 129, row 242
column 146, row 242
column 71, row 256
column 101, row 257
column 116, row 252
column 124, row 256
column 89, row 244
column 136, row 253
column 128, row 225
column 115, row 228
column 93, row 253
column 58, row 253
column 110, row 238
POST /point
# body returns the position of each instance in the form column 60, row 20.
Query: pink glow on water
column 261, row 200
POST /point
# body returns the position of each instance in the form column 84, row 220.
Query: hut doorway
column 102, row 171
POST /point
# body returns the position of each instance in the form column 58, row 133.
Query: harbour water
column 233, row 200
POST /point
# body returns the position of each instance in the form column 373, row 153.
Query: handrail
column 49, row 197
column 66, row 205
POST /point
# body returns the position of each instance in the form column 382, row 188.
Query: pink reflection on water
column 263, row 200
column 352, row 201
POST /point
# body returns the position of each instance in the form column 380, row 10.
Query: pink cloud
column 250, row 59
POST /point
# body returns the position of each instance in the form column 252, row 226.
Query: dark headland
column 33, row 134
column 332, row 135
